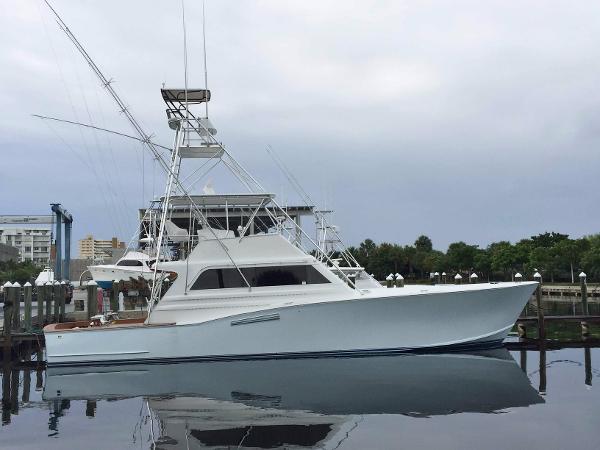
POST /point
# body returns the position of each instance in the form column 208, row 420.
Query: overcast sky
column 462, row 120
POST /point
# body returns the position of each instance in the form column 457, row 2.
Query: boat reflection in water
column 299, row 402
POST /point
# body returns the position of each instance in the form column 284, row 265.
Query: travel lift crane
column 59, row 217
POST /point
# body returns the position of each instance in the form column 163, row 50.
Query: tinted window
column 259, row 276
column 129, row 262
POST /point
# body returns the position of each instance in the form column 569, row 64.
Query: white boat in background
column 262, row 288
column 45, row 276
column 132, row 265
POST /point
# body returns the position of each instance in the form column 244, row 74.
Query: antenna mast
column 204, row 47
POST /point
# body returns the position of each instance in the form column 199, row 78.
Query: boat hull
column 105, row 275
column 436, row 320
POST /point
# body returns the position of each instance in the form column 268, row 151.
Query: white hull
column 105, row 275
column 378, row 322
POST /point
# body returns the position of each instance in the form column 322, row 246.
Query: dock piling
column 48, row 297
column 27, row 293
column 114, row 296
column 457, row 278
column 540, row 310
column 583, row 283
column 7, row 331
column 56, row 307
column 63, row 295
column 92, row 299
column 15, row 292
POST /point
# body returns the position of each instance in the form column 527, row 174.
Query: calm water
column 487, row 400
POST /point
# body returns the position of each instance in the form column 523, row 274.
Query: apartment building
column 98, row 249
column 33, row 244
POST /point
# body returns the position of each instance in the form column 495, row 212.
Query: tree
column 482, row 262
column 542, row 258
column 548, row 240
column 423, row 244
column 568, row 252
column 461, row 255
column 502, row 256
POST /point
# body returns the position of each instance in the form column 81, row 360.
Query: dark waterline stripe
column 455, row 348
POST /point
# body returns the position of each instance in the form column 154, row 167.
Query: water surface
column 492, row 399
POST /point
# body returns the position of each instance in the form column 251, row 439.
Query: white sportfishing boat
column 133, row 265
column 255, row 290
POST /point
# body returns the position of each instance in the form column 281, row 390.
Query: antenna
column 185, row 65
column 204, row 47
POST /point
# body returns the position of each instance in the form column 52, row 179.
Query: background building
column 8, row 253
column 33, row 244
column 99, row 249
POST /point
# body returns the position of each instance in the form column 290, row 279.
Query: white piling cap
column 116, row 281
column 389, row 277
column 582, row 275
column 63, row 282
column 437, row 274
column 518, row 275
column 28, row 284
column 16, row 284
column 474, row 275
column 399, row 277
column 537, row 275
column 48, row 283
column 457, row 277
column 57, row 283
column 443, row 274
column 166, row 280
column 92, row 283
column 7, row 284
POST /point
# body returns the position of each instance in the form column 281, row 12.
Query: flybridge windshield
column 259, row 277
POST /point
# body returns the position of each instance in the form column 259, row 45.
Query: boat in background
column 45, row 276
column 133, row 265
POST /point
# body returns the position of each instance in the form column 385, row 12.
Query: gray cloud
column 462, row 120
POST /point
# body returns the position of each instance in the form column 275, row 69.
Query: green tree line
column 18, row 271
column 554, row 255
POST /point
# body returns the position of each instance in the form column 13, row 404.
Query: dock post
column 583, row 283
column 90, row 408
column 27, row 291
column 41, row 296
column 473, row 278
column 16, row 299
column 540, row 310
column 63, row 294
column 399, row 280
column 7, row 310
column 523, row 360
column 518, row 277
column 48, row 296
column 92, row 299
column 437, row 277
column 444, row 277
column 114, row 296
column 389, row 280
column 457, row 278
column 56, row 295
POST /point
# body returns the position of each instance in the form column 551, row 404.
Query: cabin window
column 258, row 277
column 129, row 262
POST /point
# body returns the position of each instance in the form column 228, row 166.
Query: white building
column 33, row 243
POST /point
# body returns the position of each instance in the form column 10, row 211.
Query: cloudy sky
column 462, row 120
